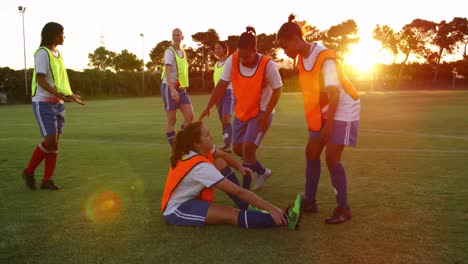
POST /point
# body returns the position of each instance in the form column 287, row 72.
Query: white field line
column 134, row 143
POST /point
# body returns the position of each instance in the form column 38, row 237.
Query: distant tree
column 445, row 40
column 157, row 56
column 310, row 33
column 206, row 42
column 341, row 36
column 413, row 38
column 127, row 61
column 232, row 42
column 461, row 26
column 266, row 44
column 101, row 59
column 387, row 38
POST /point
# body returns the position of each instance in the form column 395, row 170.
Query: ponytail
column 184, row 141
column 290, row 29
column 248, row 39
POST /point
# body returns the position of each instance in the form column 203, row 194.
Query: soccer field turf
column 407, row 187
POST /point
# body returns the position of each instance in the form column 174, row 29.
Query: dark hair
column 224, row 45
column 248, row 39
column 289, row 29
column 50, row 32
column 184, row 141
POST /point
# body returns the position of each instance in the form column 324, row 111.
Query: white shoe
column 261, row 179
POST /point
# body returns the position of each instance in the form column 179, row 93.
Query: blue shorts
column 169, row 103
column 50, row 117
column 225, row 105
column 248, row 131
column 344, row 133
column 190, row 213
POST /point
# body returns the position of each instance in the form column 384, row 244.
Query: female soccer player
column 50, row 88
column 256, row 85
column 174, row 85
column 224, row 106
column 331, row 106
column 189, row 189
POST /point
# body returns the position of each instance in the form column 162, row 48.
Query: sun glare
column 363, row 55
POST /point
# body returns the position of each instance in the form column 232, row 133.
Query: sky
column 118, row 24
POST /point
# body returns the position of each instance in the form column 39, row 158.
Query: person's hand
column 64, row 97
column 78, row 99
column 204, row 113
column 263, row 122
column 246, row 171
column 175, row 95
column 278, row 216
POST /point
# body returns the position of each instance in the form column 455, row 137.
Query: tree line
column 433, row 44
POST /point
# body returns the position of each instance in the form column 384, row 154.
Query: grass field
column 408, row 187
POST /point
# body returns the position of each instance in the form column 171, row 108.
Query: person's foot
column 293, row 213
column 49, row 185
column 226, row 149
column 309, row 207
column 261, row 179
column 340, row 215
column 30, row 180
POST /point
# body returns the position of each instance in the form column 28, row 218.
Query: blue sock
column 254, row 219
column 338, row 178
column 230, row 175
column 259, row 168
column 312, row 180
column 170, row 137
column 246, row 179
column 227, row 134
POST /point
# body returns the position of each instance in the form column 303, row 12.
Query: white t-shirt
column 348, row 108
column 271, row 81
column 42, row 64
column 169, row 59
column 203, row 175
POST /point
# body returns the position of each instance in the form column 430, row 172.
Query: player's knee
column 238, row 150
column 332, row 162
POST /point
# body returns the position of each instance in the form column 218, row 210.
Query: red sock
column 36, row 159
column 50, row 161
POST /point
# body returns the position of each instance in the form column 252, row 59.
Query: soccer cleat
column 49, row 185
column 340, row 215
column 253, row 208
column 293, row 213
column 226, row 149
column 261, row 179
column 309, row 207
column 30, row 180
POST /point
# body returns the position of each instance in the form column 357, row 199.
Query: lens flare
column 103, row 207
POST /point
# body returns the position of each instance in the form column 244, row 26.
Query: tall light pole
column 22, row 9
column 143, row 58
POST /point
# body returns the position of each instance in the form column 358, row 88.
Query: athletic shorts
column 225, row 105
column 190, row 213
column 248, row 131
column 50, row 117
column 169, row 103
column 344, row 133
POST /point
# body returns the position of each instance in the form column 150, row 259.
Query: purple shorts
column 50, row 117
column 170, row 104
column 344, row 133
column 190, row 213
column 248, row 131
column 225, row 105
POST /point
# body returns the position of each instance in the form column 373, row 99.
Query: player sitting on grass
column 189, row 190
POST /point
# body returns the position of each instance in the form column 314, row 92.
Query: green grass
column 407, row 187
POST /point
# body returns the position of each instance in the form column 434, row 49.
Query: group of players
column 247, row 88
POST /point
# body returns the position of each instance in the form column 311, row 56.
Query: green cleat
column 293, row 213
